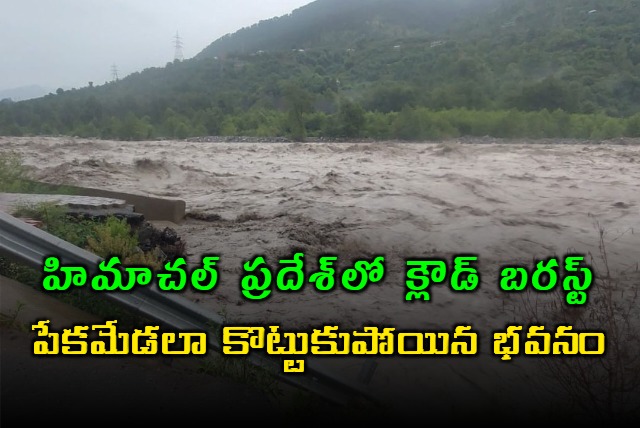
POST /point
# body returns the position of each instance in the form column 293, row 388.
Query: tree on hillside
column 298, row 101
column 386, row 97
column 351, row 119
column 550, row 94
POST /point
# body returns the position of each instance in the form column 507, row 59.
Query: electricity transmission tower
column 178, row 47
column 114, row 73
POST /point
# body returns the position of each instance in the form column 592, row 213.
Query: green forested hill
column 347, row 24
column 379, row 68
column 584, row 55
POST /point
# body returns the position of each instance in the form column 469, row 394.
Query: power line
column 114, row 73
column 178, row 47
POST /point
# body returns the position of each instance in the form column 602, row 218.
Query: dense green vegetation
column 113, row 236
column 405, row 69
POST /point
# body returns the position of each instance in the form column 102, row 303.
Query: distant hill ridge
column 324, row 23
column 23, row 93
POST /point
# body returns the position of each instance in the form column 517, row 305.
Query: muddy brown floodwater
column 506, row 202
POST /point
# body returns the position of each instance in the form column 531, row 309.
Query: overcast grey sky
column 67, row 43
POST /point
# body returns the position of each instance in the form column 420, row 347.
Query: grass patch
column 14, row 178
column 56, row 221
column 11, row 320
column 603, row 389
column 115, row 238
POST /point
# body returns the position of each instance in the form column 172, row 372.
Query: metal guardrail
column 29, row 245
